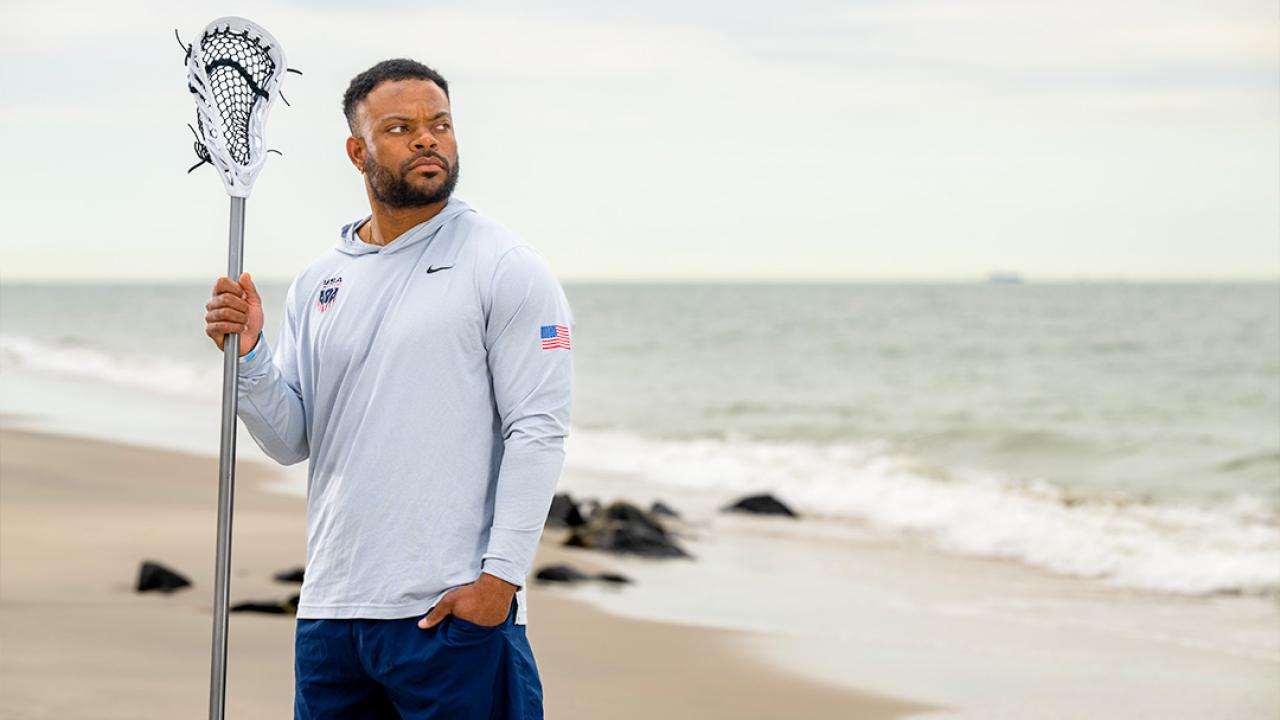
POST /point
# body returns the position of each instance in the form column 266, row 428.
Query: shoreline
column 78, row 515
column 1166, row 547
column 831, row 607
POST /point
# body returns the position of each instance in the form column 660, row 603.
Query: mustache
column 434, row 156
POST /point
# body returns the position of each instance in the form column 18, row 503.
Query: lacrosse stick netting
column 234, row 69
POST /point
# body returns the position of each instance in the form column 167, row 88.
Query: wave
column 1231, row 548
column 150, row 371
column 1265, row 460
column 1227, row 548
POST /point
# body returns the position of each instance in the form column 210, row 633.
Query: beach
column 974, row 542
column 769, row 620
column 77, row 517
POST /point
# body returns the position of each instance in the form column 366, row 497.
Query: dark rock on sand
column 564, row 512
column 266, row 608
column 623, row 528
column 616, row 536
column 269, row 607
column 661, row 509
column 289, row 576
column 154, row 576
column 561, row 574
column 633, row 516
column 761, row 505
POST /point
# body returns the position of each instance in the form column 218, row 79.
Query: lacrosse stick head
column 234, row 69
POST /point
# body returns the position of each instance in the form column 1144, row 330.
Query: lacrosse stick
column 234, row 69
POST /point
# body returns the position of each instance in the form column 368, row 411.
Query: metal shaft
column 226, row 478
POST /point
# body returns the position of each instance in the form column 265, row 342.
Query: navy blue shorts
column 388, row 669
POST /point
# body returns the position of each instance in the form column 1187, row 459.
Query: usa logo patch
column 555, row 336
column 328, row 293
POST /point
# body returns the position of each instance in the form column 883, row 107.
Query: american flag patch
column 555, row 336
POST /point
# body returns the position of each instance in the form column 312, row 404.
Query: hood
column 351, row 243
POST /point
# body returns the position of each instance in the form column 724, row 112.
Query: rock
column 266, row 608
column 661, row 509
column 632, row 515
column 568, row 574
column 290, row 576
column 154, row 576
column 761, row 505
column 564, row 512
column 619, row 537
column 269, row 607
column 560, row 574
column 624, row 528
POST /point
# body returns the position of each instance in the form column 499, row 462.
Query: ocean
column 1128, row 433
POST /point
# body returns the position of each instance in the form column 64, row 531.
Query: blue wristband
column 249, row 356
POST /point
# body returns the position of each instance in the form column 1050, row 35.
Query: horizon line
column 921, row 280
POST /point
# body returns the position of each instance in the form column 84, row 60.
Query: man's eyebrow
column 437, row 116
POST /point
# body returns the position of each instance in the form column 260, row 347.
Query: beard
column 395, row 190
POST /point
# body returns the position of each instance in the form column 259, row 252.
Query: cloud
column 869, row 135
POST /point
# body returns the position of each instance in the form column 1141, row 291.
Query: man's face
column 410, row 155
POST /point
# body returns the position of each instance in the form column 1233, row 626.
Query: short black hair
column 387, row 70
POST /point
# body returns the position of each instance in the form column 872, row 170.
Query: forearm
column 526, row 484
column 270, row 408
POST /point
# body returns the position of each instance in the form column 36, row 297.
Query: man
column 424, row 368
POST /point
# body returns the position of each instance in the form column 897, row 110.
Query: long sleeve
column 270, row 395
column 527, row 336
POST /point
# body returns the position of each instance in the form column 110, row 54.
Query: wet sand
column 78, row 516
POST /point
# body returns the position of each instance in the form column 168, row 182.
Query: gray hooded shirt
column 428, row 381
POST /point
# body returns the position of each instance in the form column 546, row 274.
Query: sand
column 78, row 516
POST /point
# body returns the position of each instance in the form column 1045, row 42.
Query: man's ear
column 356, row 152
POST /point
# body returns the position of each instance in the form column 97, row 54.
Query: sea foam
column 1228, row 548
column 150, row 371
column 1231, row 548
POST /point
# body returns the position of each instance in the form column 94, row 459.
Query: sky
column 877, row 140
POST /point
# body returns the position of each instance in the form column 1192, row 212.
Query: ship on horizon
column 1004, row 278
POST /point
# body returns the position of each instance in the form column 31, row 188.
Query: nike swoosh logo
column 437, row 269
